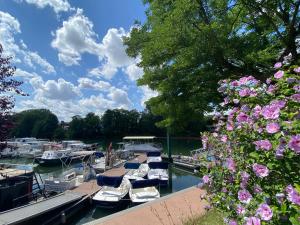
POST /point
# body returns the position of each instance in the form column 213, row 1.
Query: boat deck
column 26, row 212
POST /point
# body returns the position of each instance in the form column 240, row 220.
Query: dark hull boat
column 15, row 187
column 51, row 162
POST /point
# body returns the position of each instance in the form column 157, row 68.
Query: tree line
column 42, row 123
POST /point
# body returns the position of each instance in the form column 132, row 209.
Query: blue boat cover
column 153, row 154
column 99, row 154
column 109, row 181
column 132, row 165
column 145, row 183
column 158, row 165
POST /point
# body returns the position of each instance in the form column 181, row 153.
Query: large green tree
column 40, row 123
column 187, row 46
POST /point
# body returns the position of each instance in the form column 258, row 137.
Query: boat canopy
column 132, row 165
column 145, row 183
column 158, row 165
column 109, row 181
column 153, row 154
column 99, row 154
column 139, row 138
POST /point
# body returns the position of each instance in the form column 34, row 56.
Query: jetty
column 27, row 212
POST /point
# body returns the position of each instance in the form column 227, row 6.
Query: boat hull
column 51, row 162
column 123, row 203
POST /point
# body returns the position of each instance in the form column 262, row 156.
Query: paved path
column 173, row 209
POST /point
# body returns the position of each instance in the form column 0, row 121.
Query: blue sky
column 70, row 55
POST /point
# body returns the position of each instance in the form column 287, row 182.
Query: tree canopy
column 39, row 123
column 8, row 85
column 187, row 46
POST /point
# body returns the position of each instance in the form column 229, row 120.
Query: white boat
column 144, row 191
column 159, row 170
column 136, row 171
column 114, row 192
column 10, row 151
column 154, row 157
column 62, row 183
column 140, row 144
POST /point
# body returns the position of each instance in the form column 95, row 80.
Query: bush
column 256, row 178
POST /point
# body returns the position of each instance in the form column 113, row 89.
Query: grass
column 212, row 217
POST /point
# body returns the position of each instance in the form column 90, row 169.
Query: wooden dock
column 27, row 212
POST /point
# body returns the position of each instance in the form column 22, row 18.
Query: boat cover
column 99, row 154
column 153, row 154
column 158, row 165
column 132, row 165
column 109, row 181
column 145, row 183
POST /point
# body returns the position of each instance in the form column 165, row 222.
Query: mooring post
column 168, row 146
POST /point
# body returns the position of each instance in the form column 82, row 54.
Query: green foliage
column 40, row 123
column 212, row 217
column 187, row 46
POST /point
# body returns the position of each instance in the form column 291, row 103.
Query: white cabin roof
column 139, row 138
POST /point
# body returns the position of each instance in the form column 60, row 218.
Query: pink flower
column 252, row 221
column 260, row 170
column 270, row 111
column 256, row 111
column 297, row 88
column 240, row 209
column 229, row 127
column 224, row 138
column 279, row 74
column 206, row 179
column 230, row 164
column 297, row 70
column 272, row 128
column 296, row 97
column 277, row 65
column 271, row 89
column 242, row 117
column 265, row 212
column 235, row 83
column 268, row 81
column 244, row 92
column 232, row 222
column 244, row 196
column 294, row 197
column 294, row 143
column 278, row 103
column 263, row 144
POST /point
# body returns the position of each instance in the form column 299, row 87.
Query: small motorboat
column 143, row 191
column 159, row 170
column 114, row 192
column 136, row 171
column 154, row 157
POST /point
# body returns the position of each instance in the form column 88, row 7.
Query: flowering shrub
column 257, row 177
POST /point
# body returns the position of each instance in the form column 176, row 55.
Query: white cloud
column 134, row 72
column 25, row 75
column 147, row 94
column 76, row 36
column 119, row 98
column 57, row 5
column 9, row 27
column 51, row 89
column 91, row 84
